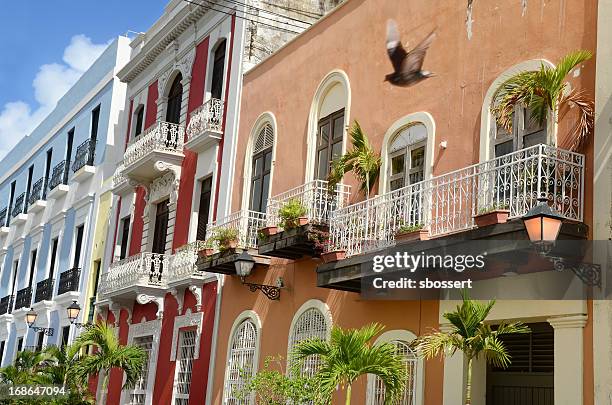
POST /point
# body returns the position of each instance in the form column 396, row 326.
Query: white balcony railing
column 246, row 223
column 144, row 269
column 207, row 117
column 119, row 179
column 315, row 197
column 183, row 264
column 448, row 203
column 163, row 136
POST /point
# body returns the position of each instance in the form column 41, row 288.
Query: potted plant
column 292, row 214
column 207, row 249
column 412, row 232
column 494, row 214
column 268, row 231
column 226, row 238
column 320, row 238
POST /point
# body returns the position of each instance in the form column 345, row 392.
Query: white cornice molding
column 570, row 321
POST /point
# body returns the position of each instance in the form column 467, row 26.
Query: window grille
column 240, row 363
column 138, row 396
column 376, row 392
column 186, row 354
column 310, row 324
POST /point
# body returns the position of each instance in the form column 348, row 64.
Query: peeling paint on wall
column 524, row 6
column 469, row 20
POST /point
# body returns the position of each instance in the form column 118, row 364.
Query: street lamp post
column 30, row 318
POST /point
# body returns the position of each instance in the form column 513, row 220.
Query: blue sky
column 45, row 47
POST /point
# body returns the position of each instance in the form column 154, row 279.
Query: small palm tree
column 109, row 354
column 28, row 368
column 472, row 336
column 546, row 91
column 349, row 355
column 361, row 160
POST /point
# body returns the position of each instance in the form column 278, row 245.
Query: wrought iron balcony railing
column 246, row 223
column 144, row 269
column 3, row 212
column 183, row 262
column 448, row 203
column 44, row 290
column 23, row 298
column 207, row 117
column 163, row 136
column 69, row 281
column 59, row 175
column 37, row 191
column 18, row 207
column 85, row 154
column 6, row 304
column 315, row 197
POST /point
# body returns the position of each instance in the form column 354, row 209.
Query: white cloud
column 18, row 118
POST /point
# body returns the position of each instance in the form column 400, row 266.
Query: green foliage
column 349, row 355
column 471, row 335
column 274, row 386
column 362, row 160
column 290, row 212
column 223, row 237
column 405, row 228
column 493, row 207
column 546, row 91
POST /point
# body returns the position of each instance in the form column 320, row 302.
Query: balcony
column 58, row 183
column 205, row 126
column 83, row 165
column 240, row 231
column 24, row 298
column 141, row 273
column 121, row 183
column 3, row 215
column 301, row 241
column 447, row 203
column 158, row 147
column 36, row 200
column 44, row 290
column 6, row 304
column 69, row 281
column 183, row 269
column 18, row 213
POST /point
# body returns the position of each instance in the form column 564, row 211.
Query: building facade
column 440, row 148
column 50, row 198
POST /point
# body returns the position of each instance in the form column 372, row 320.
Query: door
column 204, row 208
column 329, row 143
column 161, row 228
column 175, row 97
column 216, row 88
column 260, row 180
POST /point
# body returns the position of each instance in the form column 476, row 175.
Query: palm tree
column 546, row 91
column 361, row 160
column 109, row 354
column 472, row 336
column 349, row 355
column 27, row 369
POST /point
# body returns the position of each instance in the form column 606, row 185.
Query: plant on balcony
column 226, row 238
column 362, row 160
column 407, row 232
column 496, row 213
column 109, row 354
column 320, row 238
column 546, row 92
column 267, row 231
column 207, row 249
column 275, row 386
column 292, row 214
column 471, row 335
column 349, row 355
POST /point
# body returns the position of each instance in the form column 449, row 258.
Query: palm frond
column 586, row 118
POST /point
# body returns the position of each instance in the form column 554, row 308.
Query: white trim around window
column 184, row 321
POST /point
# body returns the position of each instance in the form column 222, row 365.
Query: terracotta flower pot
column 301, row 221
column 333, row 256
column 419, row 234
column 269, row 230
column 492, row 218
column 206, row 252
column 230, row 244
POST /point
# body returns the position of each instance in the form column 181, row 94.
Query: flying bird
column 407, row 65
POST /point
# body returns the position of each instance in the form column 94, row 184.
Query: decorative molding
column 147, row 328
column 184, row 65
column 570, row 321
column 143, row 299
column 179, row 296
column 184, row 321
column 196, row 290
column 115, row 309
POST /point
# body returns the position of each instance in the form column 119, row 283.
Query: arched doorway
column 175, row 97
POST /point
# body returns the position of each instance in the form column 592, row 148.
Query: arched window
column 525, row 132
column 216, row 88
column 406, row 156
column 175, row 98
column 261, row 168
column 240, row 362
column 309, row 323
column 376, row 391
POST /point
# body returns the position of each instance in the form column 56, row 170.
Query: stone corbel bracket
column 143, row 299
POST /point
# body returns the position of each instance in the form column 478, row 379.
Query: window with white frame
column 241, row 362
column 261, row 169
column 525, row 132
column 138, row 396
column 376, row 390
column 312, row 323
column 406, row 155
column 186, row 354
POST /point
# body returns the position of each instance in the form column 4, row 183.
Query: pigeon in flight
column 407, row 65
